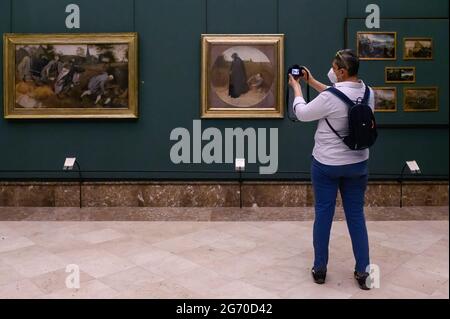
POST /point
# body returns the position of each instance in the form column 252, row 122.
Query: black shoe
column 319, row 276
column 361, row 278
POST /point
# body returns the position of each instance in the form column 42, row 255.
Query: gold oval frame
column 242, row 112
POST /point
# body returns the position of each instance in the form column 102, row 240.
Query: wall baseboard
column 208, row 194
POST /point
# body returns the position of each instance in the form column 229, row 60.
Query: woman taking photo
column 334, row 165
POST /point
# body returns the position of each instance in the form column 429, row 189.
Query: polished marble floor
column 197, row 259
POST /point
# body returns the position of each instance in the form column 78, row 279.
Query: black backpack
column 361, row 121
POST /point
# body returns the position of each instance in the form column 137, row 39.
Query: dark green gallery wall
column 169, row 76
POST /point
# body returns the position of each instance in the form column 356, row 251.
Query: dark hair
column 347, row 59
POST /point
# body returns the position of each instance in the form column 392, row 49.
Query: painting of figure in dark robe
column 238, row 77
column 72, row 78
column 242, row 75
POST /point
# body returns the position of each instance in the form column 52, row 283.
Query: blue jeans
column 351, row 180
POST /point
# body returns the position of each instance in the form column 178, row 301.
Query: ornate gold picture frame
column 421, row 99
column 376, row 45
column 402, row 74
column 70, row 75
column 242, row 76
column 417, row 49
column 385, row 99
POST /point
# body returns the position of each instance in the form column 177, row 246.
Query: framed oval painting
column 242, row 76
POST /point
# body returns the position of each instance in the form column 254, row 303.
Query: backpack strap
column 365, row 100
column 332, row 128
column 344, row 98
column 347, row 101
column 341, row 95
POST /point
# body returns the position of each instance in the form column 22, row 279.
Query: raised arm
column 316, row 85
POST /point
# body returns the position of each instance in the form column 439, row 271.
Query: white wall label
column 373, row 19
column 73, row 19
column 240, row 164
column 413, row 166
column 69, row 162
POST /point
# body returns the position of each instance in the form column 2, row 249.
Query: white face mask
column 332, row 76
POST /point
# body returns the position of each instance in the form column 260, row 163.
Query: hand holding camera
column 295, row 73
column 294, row 82
column 299, row 72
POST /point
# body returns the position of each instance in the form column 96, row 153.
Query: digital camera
column 296, row 71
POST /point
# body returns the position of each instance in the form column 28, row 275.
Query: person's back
column 329, row 148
